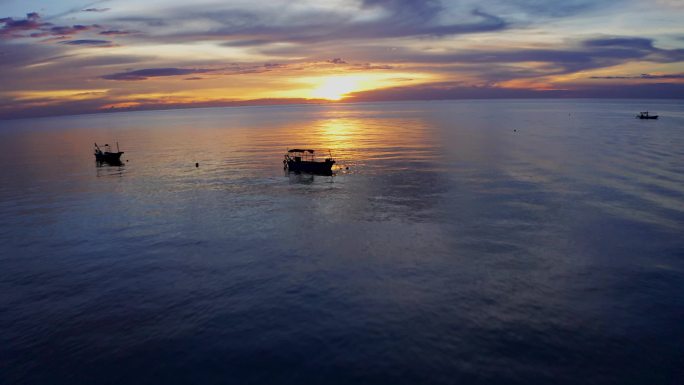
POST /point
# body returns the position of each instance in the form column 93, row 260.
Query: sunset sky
column 63, row 57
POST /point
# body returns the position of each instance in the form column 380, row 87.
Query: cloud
column 369, row 67
column 241, row 69
column 556, row 9
column 154, row 72
column 90, row 42
column 248, row 43
column 71, row 30
column 642, row 76
column 261, row 26
column 636, row 47
column 521, row 44
column 358, row 66
column 19, row 55
column 241, row 24
column 454, row 90
column 507, row 63
column 115, row 32
column 435, row 91
column 33, row 22
column 12, row 27
column 622, row 42
column 32, row 110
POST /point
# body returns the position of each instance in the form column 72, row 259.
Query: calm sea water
column 475, row 242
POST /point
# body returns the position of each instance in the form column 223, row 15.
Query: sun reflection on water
column 358, row 140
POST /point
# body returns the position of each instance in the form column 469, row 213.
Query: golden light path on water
column 355, row 139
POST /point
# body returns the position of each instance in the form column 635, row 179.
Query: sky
column 70, row 57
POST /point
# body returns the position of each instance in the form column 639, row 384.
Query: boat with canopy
column 305, row 160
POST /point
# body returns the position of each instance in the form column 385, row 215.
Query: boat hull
column 648, row 117
column 312, row 167
column 108, row 156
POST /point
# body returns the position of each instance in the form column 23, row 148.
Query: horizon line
column 278, row 102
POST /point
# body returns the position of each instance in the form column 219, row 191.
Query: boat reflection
column 109, row 163
column 302, row 177
column 109, row 168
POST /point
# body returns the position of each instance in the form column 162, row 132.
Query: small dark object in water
column 515, row 130
column 107, row 155
column 196, row 164
column 304, row 160
column 645, row 115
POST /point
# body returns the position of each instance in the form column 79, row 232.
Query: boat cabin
column 299, row 155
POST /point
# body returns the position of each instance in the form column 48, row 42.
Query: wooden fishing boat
column 107, row 155
column 304, row 160
column 645, row 115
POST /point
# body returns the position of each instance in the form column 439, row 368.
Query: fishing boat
column 107, row 155
column 645, row 115
column 305, row 160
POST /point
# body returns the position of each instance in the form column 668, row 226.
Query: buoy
column 196, row 164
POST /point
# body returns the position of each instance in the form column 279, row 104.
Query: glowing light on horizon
column 338, row 87
column 335, row 88
column 59, row 95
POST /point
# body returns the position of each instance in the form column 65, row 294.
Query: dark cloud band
column 153, row 73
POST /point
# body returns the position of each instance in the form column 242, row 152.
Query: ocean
column 471, row 242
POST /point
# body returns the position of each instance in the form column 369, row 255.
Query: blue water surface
column 471, row 242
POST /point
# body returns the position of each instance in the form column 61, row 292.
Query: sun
column 341, row 86
column 335, row 88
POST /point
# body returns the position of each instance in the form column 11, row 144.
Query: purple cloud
column 153, row 73
column 401, row 18
column 16, row 28
column 12, row 27
column 642, row 76
column 90, row 42
column 114, row 32
column 247, row 43
column 71, row 30
column 623, row 42
column 491, row 64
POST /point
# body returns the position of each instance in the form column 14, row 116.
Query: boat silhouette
column 107, row 155
column 304, row 160
column 645, row 115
